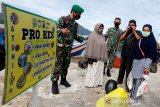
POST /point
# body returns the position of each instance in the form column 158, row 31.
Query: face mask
column 116, row 24
column 77, row 16
column 145, row 34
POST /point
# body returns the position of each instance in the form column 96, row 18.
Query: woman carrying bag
column 144, row 55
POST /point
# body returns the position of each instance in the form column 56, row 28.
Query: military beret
column 77, row 8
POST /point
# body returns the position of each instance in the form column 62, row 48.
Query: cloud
column 104, row 11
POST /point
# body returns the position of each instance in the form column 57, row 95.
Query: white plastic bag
column 130, row 81
column 146, row 76
column 142, row 89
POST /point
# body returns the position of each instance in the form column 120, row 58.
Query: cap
column 77, row 8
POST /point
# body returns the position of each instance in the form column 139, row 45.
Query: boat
column 77, row 50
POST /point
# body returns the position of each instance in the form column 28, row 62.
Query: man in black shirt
column 130, row 36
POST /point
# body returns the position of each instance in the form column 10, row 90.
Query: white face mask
column 145, row 34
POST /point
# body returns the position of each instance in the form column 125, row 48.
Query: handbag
column 153, row 68
column 83, row 64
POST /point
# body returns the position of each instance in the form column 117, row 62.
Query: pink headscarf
column 96, row 45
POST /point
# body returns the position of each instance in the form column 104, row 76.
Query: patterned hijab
column 96, row 46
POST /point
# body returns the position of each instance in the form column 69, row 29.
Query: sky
column 97, row 11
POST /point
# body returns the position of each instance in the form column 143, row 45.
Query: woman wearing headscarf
column 96, row 55
column 144, row 55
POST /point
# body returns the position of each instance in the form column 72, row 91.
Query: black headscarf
column 149, row 26
column 151, row 33
column 152, row 41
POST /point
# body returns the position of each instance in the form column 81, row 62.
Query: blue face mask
column 145, row 34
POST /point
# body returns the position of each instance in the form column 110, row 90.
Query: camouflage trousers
column 62, row 63
column 111, row 58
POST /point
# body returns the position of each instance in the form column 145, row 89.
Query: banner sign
column 30, row 50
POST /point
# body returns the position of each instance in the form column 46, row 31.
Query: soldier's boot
column 64, row 82
column 108, row 73
column 55, row 89
column 104, row 69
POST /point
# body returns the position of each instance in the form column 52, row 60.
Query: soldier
column 67, row 32
column 112, row 36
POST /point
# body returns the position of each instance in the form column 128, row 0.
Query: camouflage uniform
column 112, row 37
column 64, row 46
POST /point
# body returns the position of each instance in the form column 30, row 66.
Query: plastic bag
column 116, row 98
column 117, row 62
column 142, row 89
column 130, row 81
column 146, row 76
